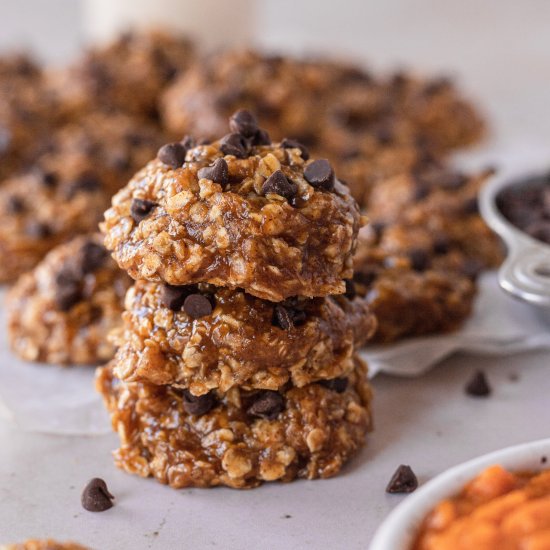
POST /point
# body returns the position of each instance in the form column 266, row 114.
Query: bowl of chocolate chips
column 516, row 205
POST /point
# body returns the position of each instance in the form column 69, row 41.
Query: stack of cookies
column 236, row 361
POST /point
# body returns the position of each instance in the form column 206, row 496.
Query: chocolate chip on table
column 92, row 257
column 266, row 404
column 478, row 386
column 96, row 497
column 234, row 144
column 173, row 297
column 141, row 208
column 172, row 154
column 243, row 122
column 419, row 259
column 198, row 404
column 339, row 385
column 217, row 172
column 351, row 292
column 320, row 174
column 197, row 306
column 279, row 184
column 293, row 144
column 402, row 481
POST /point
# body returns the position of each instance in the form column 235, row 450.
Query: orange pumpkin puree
column 497, row 510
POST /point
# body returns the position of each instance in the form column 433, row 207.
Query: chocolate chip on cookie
column 350, row 289
column 96, row 497
column 339, row 385
column 234, row 144
column 279, row 184
column 15, row 205
column 218, row 172
column 261, row 137
column 68, row 290
column 266, row 404
column 92, row 257
column 293, row 144
column 141, row 208
column 48, row 179
column 419, row 258
column 286, row 316
column 173, row 296
column 86, row 183
column 198, row 404
column 243, row 122
column 172, row 154
column 38, row 230
column 320, row 174
column 197, row 306
column 403, row 480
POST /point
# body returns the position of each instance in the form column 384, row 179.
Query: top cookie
column 240, row 212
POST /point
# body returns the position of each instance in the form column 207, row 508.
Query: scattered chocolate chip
column 419, row 258
column 279, row 184
column 15, row 205
column 38, row 230
column 218, row 172
column 86, row 183
column 543, row 459
column 478, row 385
column 172, row 154
column 266, row 404
column 320, row 174
column 403, row 480
column 293, row 144
column 173, row 296
column 350, row 289
column 141, row 208
column 234, row 144
column 68, row 290
column 92, row 257
column 243, row 122
column 96, row 497
column 339, row 385
column 197, row 306
column 198, row 404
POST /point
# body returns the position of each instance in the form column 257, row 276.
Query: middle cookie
column 203, row 337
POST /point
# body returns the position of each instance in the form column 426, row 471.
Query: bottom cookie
column 241, row 438
column 42, row 545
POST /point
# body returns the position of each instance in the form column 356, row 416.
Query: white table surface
column 427, row 422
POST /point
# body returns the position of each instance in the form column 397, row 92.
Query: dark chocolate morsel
column 198, row 404
column 320, row 174
column 15, row 205
column 141, row 208
column 441, row 244
column 293, row 144
column 172, row 154
column 243, row 122
column 86, row 183
column 218, row 172
column 419, row 258
column 478, row 386
column 279, row 184
column 402, row 481
column 350, row 289
column 92, row 257
column 197, row 306
column 266, row 404
column 173, row 296
column 339, row 385
column 282, row 317
column 96, row 497
column 234, row 144
column 261, row 137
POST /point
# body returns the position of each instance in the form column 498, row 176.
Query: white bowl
column 400, row 528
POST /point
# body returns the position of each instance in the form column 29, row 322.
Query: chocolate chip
column 441, row 244
column 234, row 144
column 478, row 385
column 339, row 385
column 172, row 154
column 266, row 404
column 47, row 178
column 173, row 296
column 68, row 289
column 437, row 85
column 350, row 289
column 243, row 122
column 15, row 205
column 141, row 208
column 38, row 230
column 217, row 172
column 421, row 192
column 320, row 174
column 86, row 183
column 197, row 306
column 96, row 497
column 365, row 277
column 188, row 142
column 198, row 404
column 293, row 144
column 92, row 257
column 287, row 317
column 279, row 184
column 261, row 137
column 419, row 259
column 403, row 480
